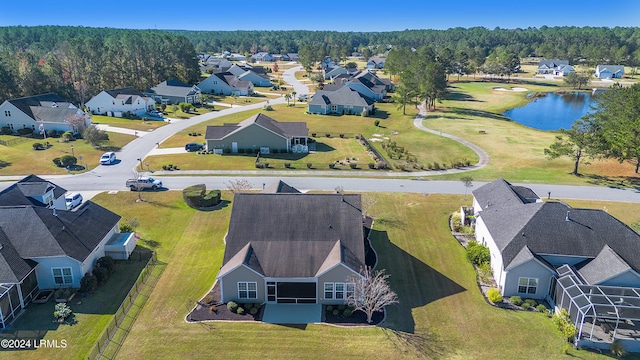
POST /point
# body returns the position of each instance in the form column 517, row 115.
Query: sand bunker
column 517, row 89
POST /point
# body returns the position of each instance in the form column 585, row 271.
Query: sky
column 354, row 15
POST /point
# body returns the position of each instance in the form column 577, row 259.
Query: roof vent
column 54, row 211
column 567, row 217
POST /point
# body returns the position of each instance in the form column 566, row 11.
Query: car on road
column 143, row 182
column 303, row 97
column 108, row 158
column 193, row 147
column 73, row 200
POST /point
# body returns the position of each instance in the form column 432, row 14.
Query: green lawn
column 441, row 312
column 90, row 317
column 140, row 125
column 173, row 111
column 21, row 159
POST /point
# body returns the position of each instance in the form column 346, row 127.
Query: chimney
column 567, row 217
column 54, row 211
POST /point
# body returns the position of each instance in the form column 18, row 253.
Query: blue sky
column 354, row 15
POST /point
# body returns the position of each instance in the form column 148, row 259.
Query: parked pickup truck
column 143, row 182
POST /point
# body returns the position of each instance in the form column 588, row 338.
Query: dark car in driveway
column 193, row 147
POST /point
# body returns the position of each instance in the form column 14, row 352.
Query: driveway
column 290, row 78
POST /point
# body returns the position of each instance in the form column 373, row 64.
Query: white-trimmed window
column 334, row 107
column 527, row 285
column 247, row 290
column 62, row 276
column 338, row 290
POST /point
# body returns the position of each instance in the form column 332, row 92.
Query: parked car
column 108, row 158
column 143, row 182
column 193, row 147
column 73, row 200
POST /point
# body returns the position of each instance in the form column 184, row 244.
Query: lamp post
column 72, row 152
column 141, row 168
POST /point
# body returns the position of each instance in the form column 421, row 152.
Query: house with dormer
column 42, row 113
column 119, row 102
column 307, row 262
column 174, row 92
column 226, row 83
column 342, row 101
column 554, row 67
column 253, row 74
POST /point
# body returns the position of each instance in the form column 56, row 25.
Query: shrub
column 253, row 311
column 63, row 293
column 347, row 312
column 287, row 165
column 332, row 165
column 211, row 199
column 329, row 308
column 485, row 272
column 126, row 228
column 108, row 263
column 564, row 324
column 257, row 305
column 381, row 165
column 336, row 312
column 309, row 165
column 456, row 224
column 342, row 136
column 232, row 306
column 88, row 283
column 313, row 134
column 37, row 146
column 25, row 131
column 275, row 151
column 240, row 310
column 494, row 295
column 5, row 130
column 327, row 135
column 353, row 165
column 101, row 274
column 68, row 136
column 268, row 108
column 342, row 307
column 57, row 162
column 516, row 300
column 529, row 303
column 68, row 160
column 541, row 308
column 376, row 122
column 478, row 254
column 62, row 310
column 371, row 165
column 242, row 151
column 208, row 299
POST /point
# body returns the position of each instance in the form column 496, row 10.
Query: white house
column 119, row 102
column 609, row 71
column 42, row 113
column 225, row 83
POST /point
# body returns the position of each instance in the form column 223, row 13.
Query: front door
column 234, row 147
column 271, row 292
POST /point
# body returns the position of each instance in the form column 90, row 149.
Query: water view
column 552, row 111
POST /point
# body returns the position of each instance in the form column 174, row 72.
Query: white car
column 73, row 200
column 108, row 158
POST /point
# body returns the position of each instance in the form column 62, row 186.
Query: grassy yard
column 441, row 312
column 140, row 125
column 173, row 111
column 90, row 317
column 397, row 127
column 21, row 159
column 328, row 150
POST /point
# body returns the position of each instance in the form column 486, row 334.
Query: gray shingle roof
column 174, row 88
column 124, row 91
column 13, row 268
column 280, row 187
column 292, row 235
column 46, row 107
column 552, row 63
column 501, row 193
column 285, row 129
column 37, row 232
column 22, row 192
column 605, row 266
column 343, row 96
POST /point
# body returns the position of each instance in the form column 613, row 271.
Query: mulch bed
column 357, row 318
column 202, row 312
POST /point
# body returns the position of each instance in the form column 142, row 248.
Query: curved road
column 112, row 178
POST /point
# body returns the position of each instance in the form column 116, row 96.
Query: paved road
column 289, row 77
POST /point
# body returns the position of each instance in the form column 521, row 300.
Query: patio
column 292, row 313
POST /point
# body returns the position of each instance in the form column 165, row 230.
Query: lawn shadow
column 221, row 205
column 615, row 182
column 416, row 343
column 458, row 96
column 480, row 113
column 380, row 114
column 416, row 283
column 4, row 164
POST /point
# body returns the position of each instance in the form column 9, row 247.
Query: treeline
column 589, row 45
column 77, row 62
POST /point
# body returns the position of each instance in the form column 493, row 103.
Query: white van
column 108, row 158
column 73, row 200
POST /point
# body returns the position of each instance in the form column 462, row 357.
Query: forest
column 79, row 62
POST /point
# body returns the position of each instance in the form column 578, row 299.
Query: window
column 338, row 291
column 328, row 291
column 527, row 285
column 62, row 276
column 334, row 107
column 7, row 113
column 247, row 290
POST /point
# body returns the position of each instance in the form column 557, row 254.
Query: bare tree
column 368, row 201
column 372, row 292
column 77, row 121
column 339, row 189
column 468, row 183
column 136, row 175
column 238, row 185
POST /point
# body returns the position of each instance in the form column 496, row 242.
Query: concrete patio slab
column 292, row 313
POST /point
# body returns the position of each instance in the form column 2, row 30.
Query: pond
column 552, row 111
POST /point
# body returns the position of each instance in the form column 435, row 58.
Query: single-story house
column 329, row 74
column 341, row 101
column 554, row 67
column 255, row 75
column 528, row 239
column 609, row 71
column 375, row 63
column 290, row 57
column 258, row 133
column 263, row 56
column 118, row 102
column 43, row 247
column 174, row 92
column 271, row 259
column 225, row 83
column 42, row 113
